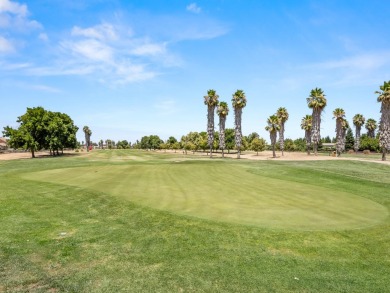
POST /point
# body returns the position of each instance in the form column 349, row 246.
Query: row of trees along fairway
column 41, row 129
column 312, row 124
column 238, row 103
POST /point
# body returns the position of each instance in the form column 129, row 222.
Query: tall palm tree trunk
column 384, row 129
column 238, row 133
column 338, row 136
column 273, row 142
column 357, row 138
column 281, row 137
column 210, row 127
column 315, row 132
column 222, row 120
column 308, row 140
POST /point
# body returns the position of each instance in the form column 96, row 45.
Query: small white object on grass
column 62, row 233
column 295, row 278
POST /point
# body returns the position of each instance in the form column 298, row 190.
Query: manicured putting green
column 225, row 192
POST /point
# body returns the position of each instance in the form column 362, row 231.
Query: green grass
column 144, row 222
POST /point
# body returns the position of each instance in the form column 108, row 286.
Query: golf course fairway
column 224, row 191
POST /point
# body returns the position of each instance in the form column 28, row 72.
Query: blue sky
column 133, row 68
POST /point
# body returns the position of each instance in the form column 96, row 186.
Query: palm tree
column 211, row 100
column 384, row 124
column 239, row 102
column 344, row 128
column 371, row 126
column 317, row 102
column 222, row 111
column 282, row 114
column 88, row 134
column 358, row 121
column 306, row 124
column 273, row 127
column 339, row 114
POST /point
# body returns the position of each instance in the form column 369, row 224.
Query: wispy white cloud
column 89, row 49
column 358, row 69
column 43, row 37
column 193, row 7
column 13, row 7
column 108, row 52
column 358, row 62
column 14, row 66
column 16, row 16
column 152, row 49
column 44, row 88
column 104, row 32
column 6, row 46
column 59, row 69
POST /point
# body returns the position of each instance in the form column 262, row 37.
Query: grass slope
column 226, row 191
column 60, row 238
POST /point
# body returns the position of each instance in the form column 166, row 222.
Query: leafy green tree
column 306, row 124
column 163, row 146
column 252, row 136
column 317, row 102
column 245, row 145
column 145, row 143
column 384, row 123
column 300, row 144
column 184, row 143
column 155, row 142
column 229, row 139
column 371, row 127
column 122, row 144
column 349, row 140
column 61, row 132
column 41, row 129
column 282, row 114
column 358, row 121
column 257, row 145
column 176, row 146
column 273, row 127
column 211, row 100
column 369, row 143
column 222, row 111
column 216, row 141
column 87, row 133
column 202, row 141
column 289, row 145
column 31, row 132
column 170, row 142
column 238, row 102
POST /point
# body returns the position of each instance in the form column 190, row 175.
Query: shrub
column 366, row 152
column 368, row 143
column 351, row 152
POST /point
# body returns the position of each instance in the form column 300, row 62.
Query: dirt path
column 27, row 155
column 293, row 156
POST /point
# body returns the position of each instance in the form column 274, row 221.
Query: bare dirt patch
column 288, row 156
column 27, row 155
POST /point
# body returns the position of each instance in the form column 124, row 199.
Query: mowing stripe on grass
column 225, row 192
